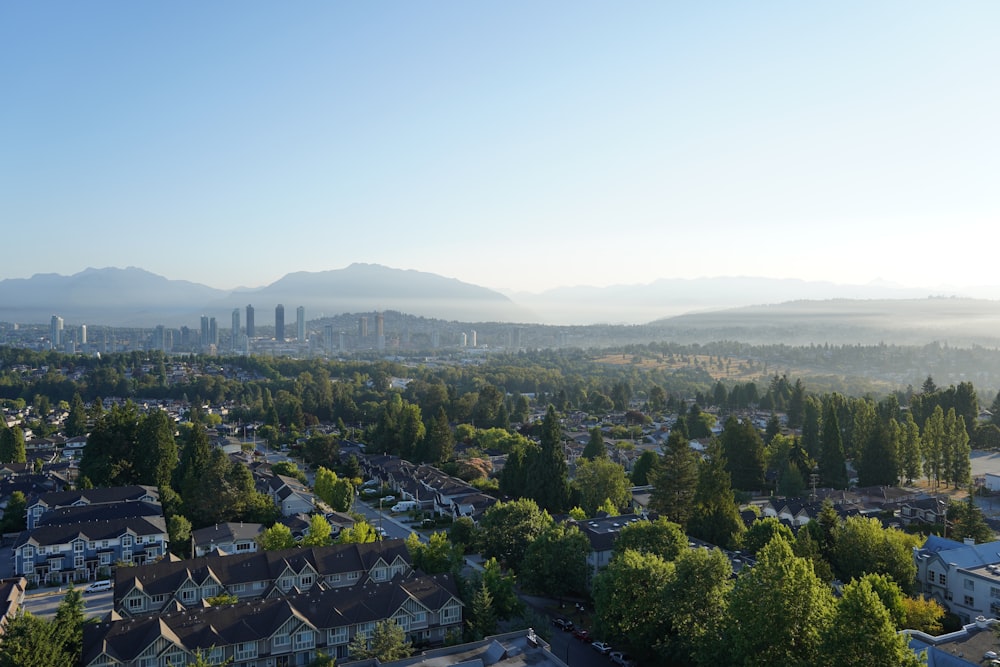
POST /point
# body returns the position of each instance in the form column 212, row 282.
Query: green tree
column 12, row 446
column 437, row 556
column 628, row 599
column 439, row 443
column 555, row 563
column 934, row 442
column 507, row 529
column 155, row 450
column 361, row 532
column 695, row 598
column 387, row 642
column 777, row 611
column 179, row 532
column 763, row 531
column 463, row 533
column 506, row 603
column 960, row 470
column 335, row 491
column 277, row 537
column 716, row 517
column 76, row 421
column 862, row 546
column 482, row 621
column 547, row 472
column 878, row 465
column 599, row 480
column 744, row 451
column 15, row 514
column 862, row 633
column 832, row 463
column 643, row 468
column 660, row 537
column 909, row 449
column 319, row 532
column 675, row 479
column 595, row 445
column 967, row 521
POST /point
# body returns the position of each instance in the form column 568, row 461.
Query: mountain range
column 722, row 305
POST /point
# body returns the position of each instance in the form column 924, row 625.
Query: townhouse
column 64, row 553
column 434, row 490
column 278, row 632
column 160, row 587
column 118, row 494
column 965, row 578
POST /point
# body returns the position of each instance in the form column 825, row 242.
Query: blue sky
column 516, row 145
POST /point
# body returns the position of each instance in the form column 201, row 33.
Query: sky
column 514, row 145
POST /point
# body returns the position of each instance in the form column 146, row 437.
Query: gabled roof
column 206, row 627
column 101, row 512
column 164, row 578
column 92, row 531
column 226, row 532
column 967, row 556
column 112, row 494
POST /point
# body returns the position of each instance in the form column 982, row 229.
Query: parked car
column 601, row 647
column 387, row 499
column 583, row 635
column 563, row 624
column 623, row 659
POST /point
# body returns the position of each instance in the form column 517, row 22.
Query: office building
column 363, row 327
column 250, row 326
column 300, row 323
column 236, row 329
column 55, row 332
column 213, row 332
column 279, row 323
column 83, row 334
column 205, row 340
column 472, row 338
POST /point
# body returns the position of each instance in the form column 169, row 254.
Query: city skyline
column 515, row 147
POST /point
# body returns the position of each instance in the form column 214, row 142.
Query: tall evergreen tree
column 716, row 517
column 439, row 443
column 909, row 449
column 878, row 463
column 76, row 421
column 934, row 442
column 12, row 445
column 595, row 445
column 832, row 465
column 744, row 452
column 156, row 450
column 675, row 480
column 960, row 470
column 548, row 474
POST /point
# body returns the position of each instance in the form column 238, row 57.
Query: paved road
column 44, row 602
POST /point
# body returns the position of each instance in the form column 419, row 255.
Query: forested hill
column 955, row 321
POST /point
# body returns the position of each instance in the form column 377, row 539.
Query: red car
column 583, row 635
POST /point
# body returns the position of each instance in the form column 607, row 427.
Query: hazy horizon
column 513, row 146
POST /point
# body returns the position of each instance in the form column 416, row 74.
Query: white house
column 965, row 578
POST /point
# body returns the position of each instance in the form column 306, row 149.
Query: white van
column 405, row 506
column 98, row 586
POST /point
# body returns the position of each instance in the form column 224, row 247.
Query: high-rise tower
column 279, row 323
column 205, row 340
column 300, row 323
column 55, row 332
column 250, row 329
column 236, row 329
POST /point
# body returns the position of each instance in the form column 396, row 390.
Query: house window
column 969, row 584
column 106, row 558
column 187, row 596
column 333, row 578
column 280, row 642
column 126, row 540
column 78, row 562
column 134, row 604
column 246, row 650
column 419, row 617
column 90, row 545
column 239, row 588
column 41, row 551
column 451, row 615
column 365, row 630
column 353, row 576
column 243, row 546
column 78, row 547
column 305, row 639
column 379, row 574
column 160, row 599
column 969, row 601
column 337, row 636
column 994, row 592
column 942, row 579
column 306, row 581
